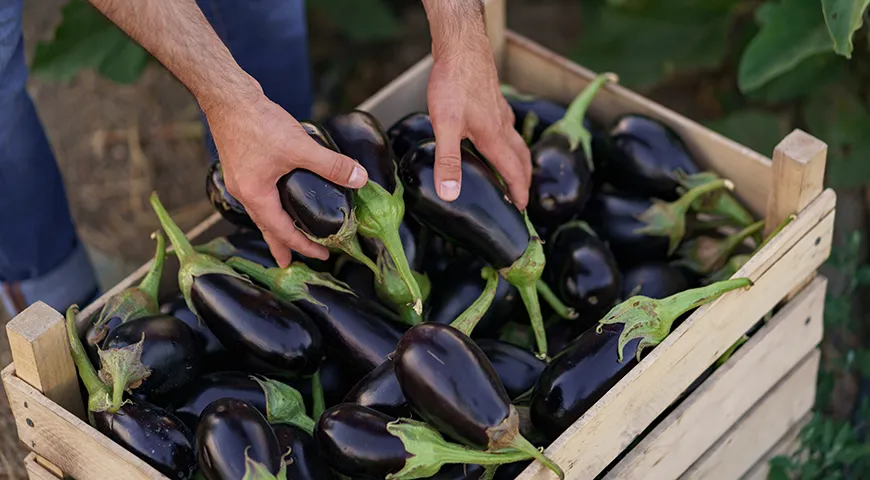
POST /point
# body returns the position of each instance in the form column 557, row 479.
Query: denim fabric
column 41, row 257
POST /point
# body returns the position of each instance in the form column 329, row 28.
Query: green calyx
column 507, row 436
column 289, row 284
column 571, row 125
column 650, row 319
column 134, row 302
column 524, row 274
column 428, row 451
column 122, row 368
column 468, row 319
column 99, row 394
column 257, row 471
column 346, row 240
column 530, row 123
column 380, row 213
column 719, row 202
column 284, row 404
column 219, row 248
column 318, row 401
column 705, row 255
column 192, row 263
column 394, row 291
column 668, row 219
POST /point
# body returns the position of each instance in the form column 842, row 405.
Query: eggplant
column 706, row 254
column 379, row 204
column 655, row 280
column 213, row 352
column 482, row 221
column 561, row 170
column 461, row 284
column 380, row 390
column 247, row 319
column 532, row 115
column 363, row 443
column 358, row 333
column 230, row 208
column 592, row 363
column 304, row 461
column 248, row 244
column 148, row 431
column 408, row 131
column 517, row 368
column 460, row 472
column 359, row 279
column 233, row 438
column 170, row 350
column 582, row 270
column 323, row 211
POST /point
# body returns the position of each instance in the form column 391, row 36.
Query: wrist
column 456, row 26
column 238, row 92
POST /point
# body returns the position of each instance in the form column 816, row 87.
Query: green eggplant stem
column 466, row 455
column 529, row 294
column 776, row 231
column 151, row 282
column 393, row 244
column 523, row 445
column 557, row 305
column 529, row 124
column 291, row 283
column 686, row 200
column 468, row 319
column 183, row 249
column 353, row 249
column 119, row 384
column 255, row 271
column 318, row 402
column 739, row 237
column 98, row 392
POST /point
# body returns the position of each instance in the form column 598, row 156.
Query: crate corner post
column 798, row 176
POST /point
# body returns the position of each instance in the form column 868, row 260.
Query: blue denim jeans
column 41, row 257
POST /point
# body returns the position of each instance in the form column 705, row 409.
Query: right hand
column 258, row 142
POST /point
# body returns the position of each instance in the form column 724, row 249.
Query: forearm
column 179, row 36
column 455, row 24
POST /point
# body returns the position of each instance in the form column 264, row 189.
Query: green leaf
column 643, row 49
column 862, row 276
column 757, row 129
column 778, row 468
column 85, row 39
column 791, row 31
column 361, row 20
column 809, row 76
column 844, row 18
column 837, row 116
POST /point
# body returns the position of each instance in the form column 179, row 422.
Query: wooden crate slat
column 65, row 440
column 736, row 452
column 35, row 470
column 787, row 445
column 588, row 446
column 675, row 444
column 405, row 94
column 534, row 69
column 799, row 170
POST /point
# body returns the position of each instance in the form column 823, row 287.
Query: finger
column 282, row 255
column 516, row 142
column 274, row 222
column 331, row 165
column 448, row 156
column 497, row 150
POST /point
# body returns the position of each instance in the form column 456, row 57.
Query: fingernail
column 449, row 190
column 357, row 177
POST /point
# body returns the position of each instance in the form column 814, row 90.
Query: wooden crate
column 754, row 403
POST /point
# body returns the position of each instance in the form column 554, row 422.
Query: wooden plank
column 787, row 446
column 589, row 445
column 799, row 170
column 65, row 440
column 40, row 349
column 405, row 94
column 35, row 470
column 675, row 444
column 534, row 69
column 736, row 452
column 496, row 28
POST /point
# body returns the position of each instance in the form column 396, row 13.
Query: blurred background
column 121, row 126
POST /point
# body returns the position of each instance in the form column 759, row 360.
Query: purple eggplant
column 304, row 461
column 408, row 131
column 227, row 205
column 214, row 354
column 380, row 390
column 517, row 368
column 655, row 280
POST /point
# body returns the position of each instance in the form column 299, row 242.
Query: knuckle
column 339, row 167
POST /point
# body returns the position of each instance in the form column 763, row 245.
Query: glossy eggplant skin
column 172, row 351
column 227, row 205
column 318, row 206
column 655, row 280
column 459, row 286
column 380, row 390
column 152, row 434
column 517, row 368
column 408, row 131
column 561, row 182
column 644, row 157
column 464, row 403
column 359, row 277
column 481, row 220
column 459, row 471
column 355, row 442
column 354, row 330
column 248, row 319
column 360, row 136
column 304, row 461
column 189, row 402
column 613, row 215
column 583, row 271
column 227, row 429
column 547, row 111
column 213, row 350
column 409, row 232
column 578, row 377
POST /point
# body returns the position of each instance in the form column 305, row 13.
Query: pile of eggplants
column 443, row 340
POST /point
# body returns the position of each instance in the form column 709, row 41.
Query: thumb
column 331, row 165
column 448, row 159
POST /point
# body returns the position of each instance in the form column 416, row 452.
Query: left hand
column 465, row 102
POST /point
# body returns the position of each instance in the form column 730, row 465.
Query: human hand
column 465, row 102
column 259, row 142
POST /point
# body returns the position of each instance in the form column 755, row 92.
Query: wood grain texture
column 35, row 471
column 676, row 443
column 738, row 450
column 787, row 445
column 67, row 441
column 405, row 94
column 799, row 174
column 589, row 445
column 40, row 349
